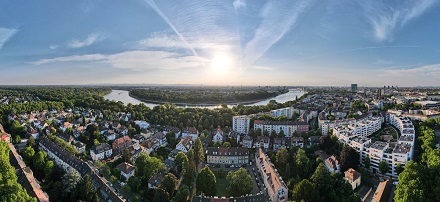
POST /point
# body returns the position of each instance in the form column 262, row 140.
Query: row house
column 185, row 144
column 224, row 155
column 276, row 189
column 288, row 128
column 190, row 131
column 262, row 142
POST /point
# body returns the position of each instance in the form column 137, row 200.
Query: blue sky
column 228, row 42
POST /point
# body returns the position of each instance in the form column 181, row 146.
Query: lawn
column 221, row 186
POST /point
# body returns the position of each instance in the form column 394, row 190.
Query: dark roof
column 231, row 151
column 125, row 167
column 100, row 148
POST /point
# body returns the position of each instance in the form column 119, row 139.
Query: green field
column 221, row 185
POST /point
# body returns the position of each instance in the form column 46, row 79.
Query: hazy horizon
column 223, row 43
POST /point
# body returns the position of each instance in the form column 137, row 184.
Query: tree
column 126, row 155
column 217, row 144
column 239, row 182
column 48, row 169
column 199, row 156
column 367, row 163
column 106, row 170
column 399, row 168
column 181, row 160
column 281, row 134
column 40, row 160
column 349, row 158
column 323, row 181
column 146, row 166
column 87, row 190
column 70, row 182
column 411, row 185
column 226, row 144
column 161, row 195
column 206, row 182
column 305, row 191
column 31, row 141
column 302, row 164
column 281, row 156
column 182, row 195
column 28, row 154
column 383, row 167
column 170, row 183
column 10, row 189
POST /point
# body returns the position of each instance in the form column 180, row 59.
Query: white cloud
column 5, row 35
column 262, row 68
column 238, row 4
column 135, row 60
column 53, row 47
column 278, row 18
column 386, row 17
column 76, row 58
column 424, row 75
column 92, row 38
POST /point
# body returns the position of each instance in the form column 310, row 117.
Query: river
column 122, row 95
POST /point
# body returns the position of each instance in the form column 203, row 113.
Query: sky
column 221, row 42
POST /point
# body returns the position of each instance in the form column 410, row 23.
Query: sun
column 221, row 63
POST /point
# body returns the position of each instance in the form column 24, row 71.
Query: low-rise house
column 161, row 139
column 33, row 132
column 80, row 147
column 121, row 143
column 332, row 164
column 123, row 130
column 353, row 178
column 247, row 141
column 66, row 125
column 190, row 131
column 110, row 135
column 66, row 137
column 142, row 124
column 218, row 136
column 262, row 142
column 297, row 142
column 148, row 145
column 281, row 143
column 314, row 140
column 101, row 151
column 156, row 180
column 173, row 129
column 224, row 155
column 138, row 138
column 127, row 170
column 185, row 144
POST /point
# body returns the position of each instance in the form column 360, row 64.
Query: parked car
column 395, row 182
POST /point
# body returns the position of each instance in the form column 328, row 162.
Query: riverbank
column 198, row 104
column 123, row 96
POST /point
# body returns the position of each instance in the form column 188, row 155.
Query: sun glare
column 221, row 63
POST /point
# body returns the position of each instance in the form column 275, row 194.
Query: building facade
column 231, row 155
column 241, row 124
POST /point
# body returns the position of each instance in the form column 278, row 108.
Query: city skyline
column 331, row 43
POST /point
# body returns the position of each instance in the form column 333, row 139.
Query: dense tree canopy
column 206, row 182
column 10, row 189
column 239, row 182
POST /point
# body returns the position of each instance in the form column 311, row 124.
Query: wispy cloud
column 53, row 47
column 5, row 35
column 424, row 75
column 386, row 17
column 89, row 40
column 278, row 18
column 135, row 60
column 239, row 4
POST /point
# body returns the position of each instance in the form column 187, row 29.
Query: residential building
column 101, row 151
column 241, row 124
column 276, row 188
column 353, row 178
column 262, row 142
column 218, row 136
column 288, row 128
column 156, row 180
column 127, row 170
column 247, row 141
column 354, row 88
column 121, row 143
column 190, row 131
column 185, row 144
column 330, row 162
column 224, row 155
column 80, row 147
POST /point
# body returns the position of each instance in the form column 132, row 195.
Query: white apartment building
column 289, row 128
column 356, row 135
column 241, row 124
column 287, row 112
